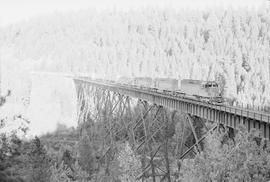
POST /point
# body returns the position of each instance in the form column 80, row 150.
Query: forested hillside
column 231, row 46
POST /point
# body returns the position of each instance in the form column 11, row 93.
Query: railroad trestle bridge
column 144, row 118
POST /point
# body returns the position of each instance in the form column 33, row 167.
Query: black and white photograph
column 134, row 90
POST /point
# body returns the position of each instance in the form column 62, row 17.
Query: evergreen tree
column 39, row 162
column 245, row 159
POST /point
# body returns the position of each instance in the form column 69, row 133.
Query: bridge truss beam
column 229, row 116
column 147, row 127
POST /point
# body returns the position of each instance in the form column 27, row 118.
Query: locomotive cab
column 212, row 89
column 203, row 90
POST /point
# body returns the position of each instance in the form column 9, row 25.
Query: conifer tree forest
column 230, row 46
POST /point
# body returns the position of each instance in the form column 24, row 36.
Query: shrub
column 248, row 159
column 129, row 164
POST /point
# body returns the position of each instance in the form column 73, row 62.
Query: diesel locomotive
column 206, row 91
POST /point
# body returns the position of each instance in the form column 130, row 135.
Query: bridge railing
column 253, row 107
column 244, row 112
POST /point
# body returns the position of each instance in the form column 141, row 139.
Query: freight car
column 143, row 82
column 206, row 91
column 125, row 80
column 166, row 84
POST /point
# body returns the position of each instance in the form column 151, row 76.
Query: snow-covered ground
column 52, row 101
column 44, row 100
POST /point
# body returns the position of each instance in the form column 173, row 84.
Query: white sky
column 16, row 10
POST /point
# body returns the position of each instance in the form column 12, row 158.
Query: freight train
column 206, row 91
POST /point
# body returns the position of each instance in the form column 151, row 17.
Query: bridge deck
column 228, row 115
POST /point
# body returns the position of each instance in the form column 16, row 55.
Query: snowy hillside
column 231, row 46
